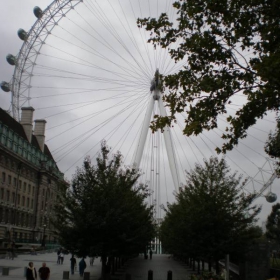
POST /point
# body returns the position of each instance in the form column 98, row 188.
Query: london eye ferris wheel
column 86, row 67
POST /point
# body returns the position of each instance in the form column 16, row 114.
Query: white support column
column 144, row 133
column 169, row 147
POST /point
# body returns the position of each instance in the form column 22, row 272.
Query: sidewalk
column 19, row 263
column 160, row 265
column 137, row 267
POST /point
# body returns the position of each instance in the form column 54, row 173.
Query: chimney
column 26, row 121
column 39, row 132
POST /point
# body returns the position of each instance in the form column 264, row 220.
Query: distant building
column 29, row 181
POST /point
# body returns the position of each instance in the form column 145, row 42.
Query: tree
column 272, row 146
column 104, row 211
column 212, row 216
column 228, row 47
column 273, row 224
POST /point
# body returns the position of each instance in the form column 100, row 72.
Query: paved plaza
column 137, row 267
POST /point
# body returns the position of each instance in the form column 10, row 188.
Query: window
column 8, row 196
column 9, row 179
column 2, row 193
column 31, row 203
column 19, row 184
column 27, row 202
column 29, row 188
column 18, row 199
column 23, row 201
column 3, row 177
column 15, row 182
column 24, row 187
column 33, row 190
column 13, row 197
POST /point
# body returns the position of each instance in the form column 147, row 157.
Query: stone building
column 29, row 181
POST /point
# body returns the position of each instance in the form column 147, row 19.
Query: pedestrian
column 31, row 273
column 13, row 246
column 61, row 255
column 44, row 272
column 72, row 264
column 58, row 256
column 151, row 254
column 82, row 267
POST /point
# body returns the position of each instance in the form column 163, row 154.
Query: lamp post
column 43, row 239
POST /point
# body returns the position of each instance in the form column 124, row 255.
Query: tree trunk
column 113, row 265
column 217, row 267
column 198, row 266
column 193, row 268
column 103, row 268
column 209, row 264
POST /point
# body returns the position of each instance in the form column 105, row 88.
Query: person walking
column 13, row 246
column 58, row 256
column 44, row 272
column 151, row 254
column 82, row 267
column 72, row 264
column 31, row 273
column 61, row 255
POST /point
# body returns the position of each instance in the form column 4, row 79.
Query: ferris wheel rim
column 49, row 15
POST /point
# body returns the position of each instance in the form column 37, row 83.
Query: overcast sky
column 91, row 82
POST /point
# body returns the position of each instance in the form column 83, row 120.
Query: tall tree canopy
column 212, row 216
column 104, row 212
column 229, row 47
column 273, row 224
column 272, row 146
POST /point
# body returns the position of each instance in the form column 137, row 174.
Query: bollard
column 5, row 271
column 86, row 275
column 150, row 275
column 65, row 275
column 169, row 275
column 127, row 276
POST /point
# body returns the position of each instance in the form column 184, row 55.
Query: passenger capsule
column 271, row 197
column 22, row 34
column 38, row 12
column 5, row 86
column 11, row 59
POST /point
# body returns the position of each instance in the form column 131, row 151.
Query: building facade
column 30, row 181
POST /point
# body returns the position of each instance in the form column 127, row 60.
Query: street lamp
column 43, row 240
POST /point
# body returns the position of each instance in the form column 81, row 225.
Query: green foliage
column 273, row 224
column 228, row 47
column 212, row 216
column 103, row 212
column 272, row 145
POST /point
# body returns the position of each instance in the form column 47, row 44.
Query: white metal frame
column 156, row 96
column 27, row 56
